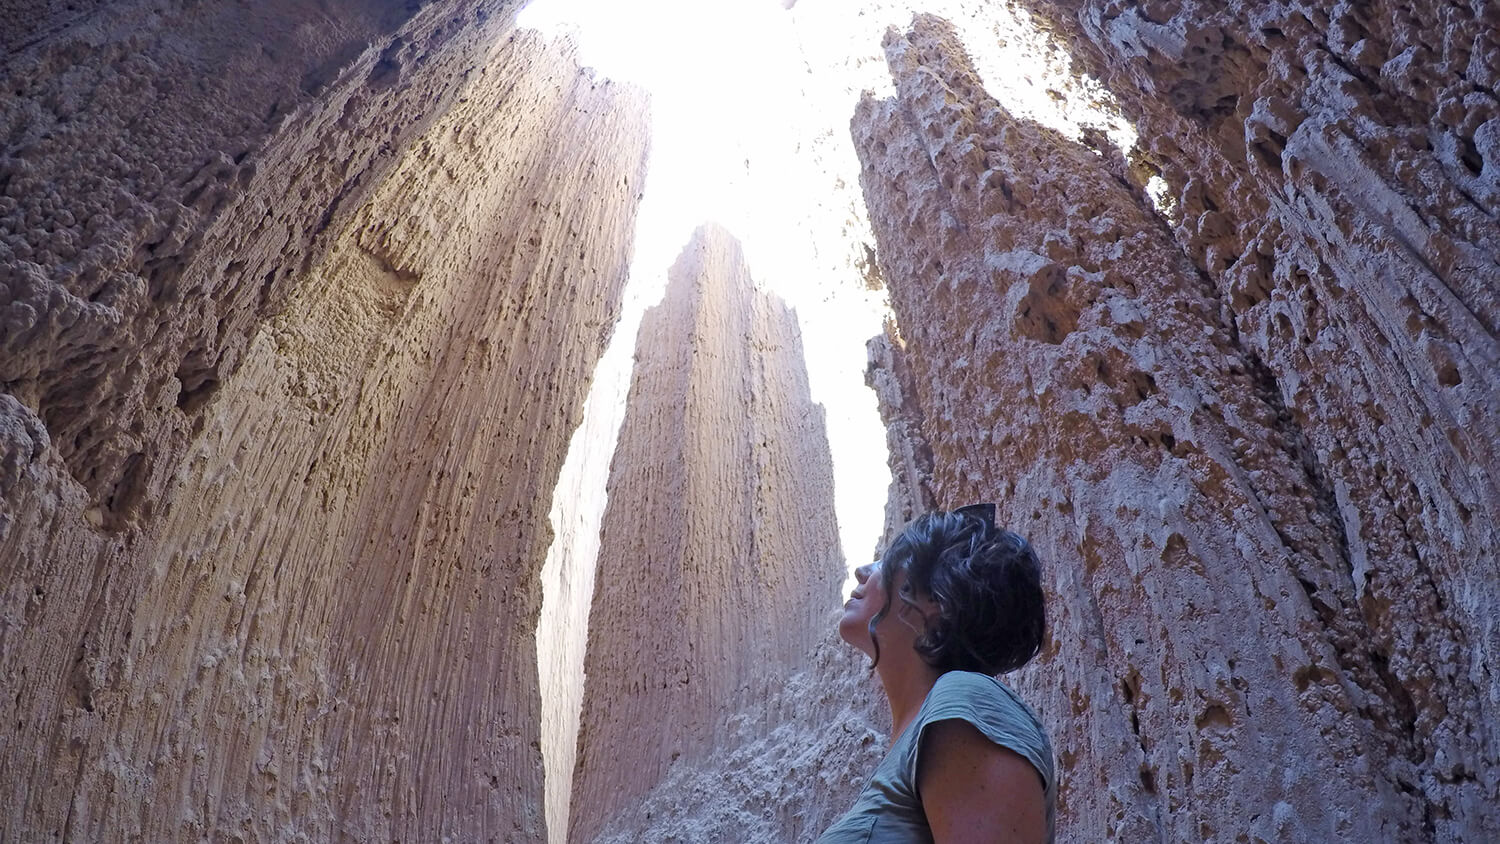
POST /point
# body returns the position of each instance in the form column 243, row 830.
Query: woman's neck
column 906, row 682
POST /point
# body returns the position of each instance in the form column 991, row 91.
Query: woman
column 954, row 601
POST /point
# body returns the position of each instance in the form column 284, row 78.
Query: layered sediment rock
column 299, row 304
column 1336, row 174
column 718, row 559
column 1251, row 442
column 786, row 767
column 888, row 374
column 276, row 576
column 167, row 176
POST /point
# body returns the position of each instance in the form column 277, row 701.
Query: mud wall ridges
column 888, row 374
column 719, row 554
column 1221, row 599
column 792, row 763
column 320, row 619
column 1338, row 179
column 166, row 177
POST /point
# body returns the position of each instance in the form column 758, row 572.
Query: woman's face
column 902, row 622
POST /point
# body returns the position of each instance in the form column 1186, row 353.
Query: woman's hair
column 985, row 581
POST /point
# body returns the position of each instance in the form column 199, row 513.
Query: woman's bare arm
column 975, row 791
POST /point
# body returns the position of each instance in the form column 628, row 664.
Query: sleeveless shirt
column 889, row 811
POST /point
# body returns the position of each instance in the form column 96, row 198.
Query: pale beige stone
column 1264, row 488
column 313, row 617
column 719, row 557
column 299, row 304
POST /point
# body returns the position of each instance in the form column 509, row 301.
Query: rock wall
column 787, row 765
column 300, row 308
column 1252, row 436
column 168, row 172
column 718, row 558
column 299, row 304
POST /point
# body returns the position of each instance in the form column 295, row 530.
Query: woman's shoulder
column 995, row 710
column 965, row 688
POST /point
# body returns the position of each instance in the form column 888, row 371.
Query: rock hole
column 266, row 286
column 1144, row 386
column 386, row 74
column 1148, row 780
column 192, row 398
column 1448, row 376
column 1215, row 716
column 1175, row 552
column 1269, row 151
column 128, row 493
column 195, row 194
column 1468, row 153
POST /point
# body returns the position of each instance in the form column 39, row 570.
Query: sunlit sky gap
column 750, row 109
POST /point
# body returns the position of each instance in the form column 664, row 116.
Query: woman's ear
column 914, row 612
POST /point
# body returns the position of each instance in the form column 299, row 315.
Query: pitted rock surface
column 1262, row 504
column 315, row 619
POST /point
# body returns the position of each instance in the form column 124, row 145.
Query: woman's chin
column 851, row 629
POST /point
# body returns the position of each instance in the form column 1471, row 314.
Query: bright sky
column 750, row 109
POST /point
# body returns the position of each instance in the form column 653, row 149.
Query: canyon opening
column 458, row 420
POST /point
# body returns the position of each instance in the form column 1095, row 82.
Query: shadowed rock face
column 311, row 613
column 719, row 558
column 167, row 176
column 1250, row 441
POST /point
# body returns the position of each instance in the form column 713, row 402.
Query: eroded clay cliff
column 297, row 324
column 299, row 305
column 719, row 557
column 1253, row 440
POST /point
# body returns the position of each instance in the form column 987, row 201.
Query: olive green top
column 889, row 811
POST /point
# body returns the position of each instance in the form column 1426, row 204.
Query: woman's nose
column 862, row 573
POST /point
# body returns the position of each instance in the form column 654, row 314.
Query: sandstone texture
column 788, row 765
column 300, row 305
column 299, row 311
column 1251, row 435
column 719, row 555
column 889, row 375
column 167, row 174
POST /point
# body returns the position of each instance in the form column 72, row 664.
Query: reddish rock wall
column 1254, row 444
column 719, row 557
column 276, row 576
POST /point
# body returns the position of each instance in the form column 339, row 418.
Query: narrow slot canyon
column 458, row 421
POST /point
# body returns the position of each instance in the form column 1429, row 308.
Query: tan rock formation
column 1346, row 184
column 719, row 559
column 1265, row 508
column 271, row 578
column 167, row 175
column 299, row 304
column 786, row 767
column 910, row 456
